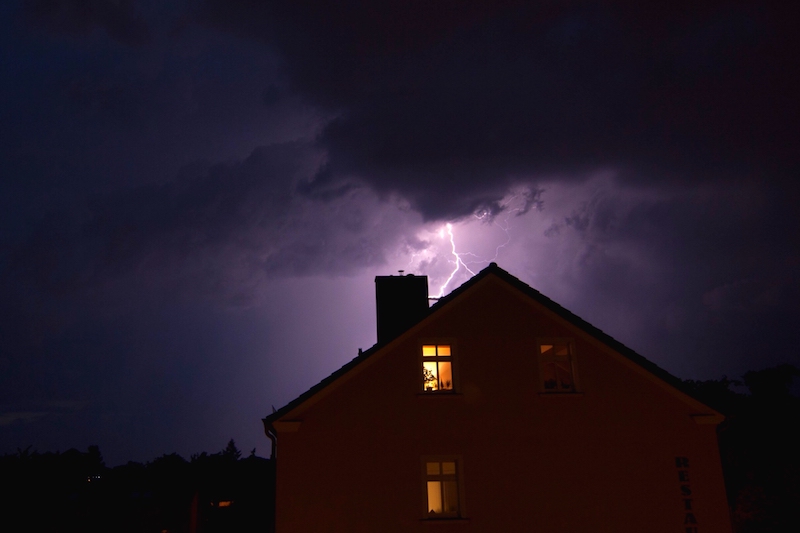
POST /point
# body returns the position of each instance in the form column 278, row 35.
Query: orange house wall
column 601, row 460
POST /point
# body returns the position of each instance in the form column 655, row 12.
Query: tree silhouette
column 759, row 447
column 231, row 451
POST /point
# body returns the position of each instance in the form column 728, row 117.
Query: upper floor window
column 557, row 366
column 437, row 368
column 441, row 486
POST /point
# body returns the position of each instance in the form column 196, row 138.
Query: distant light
column 225, row 503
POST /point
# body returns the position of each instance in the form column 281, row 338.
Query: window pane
column 432, row 469
column 429, row 350
column 448, row 468
column 549, row 375
column 444, row 349
column 435, row 497
column 450, row 497
column 564, row 372
column 445, row 376
column 430, row 376
column 546, row 349
column 562, row 350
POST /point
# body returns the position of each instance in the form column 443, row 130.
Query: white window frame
column 437, row 359
column 456, row 477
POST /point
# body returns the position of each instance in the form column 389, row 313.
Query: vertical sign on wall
column 689, row 520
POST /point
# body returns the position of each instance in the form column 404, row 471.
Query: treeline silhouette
column 759, row 446
column 74, row 491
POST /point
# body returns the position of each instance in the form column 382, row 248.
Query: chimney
column 401, row 301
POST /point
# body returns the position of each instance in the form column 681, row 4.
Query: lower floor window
column 441, row 481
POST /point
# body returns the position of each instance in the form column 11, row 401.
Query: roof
column 494, row 270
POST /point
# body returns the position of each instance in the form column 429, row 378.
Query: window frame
column 458, row 477
column 452, row 359
column 541, row 360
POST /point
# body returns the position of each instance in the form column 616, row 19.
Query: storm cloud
column 450, row 103
column 119, row 19
column 196, row 197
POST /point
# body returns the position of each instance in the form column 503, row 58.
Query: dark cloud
column 119, row 18
column 193, row 225
column 131, row 305
column 157, row 228
column 742, row 296
column 450, row 103
column 271, row 95
column 218, row 231
column 696, row 278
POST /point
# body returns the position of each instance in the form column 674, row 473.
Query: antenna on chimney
column 400, row 272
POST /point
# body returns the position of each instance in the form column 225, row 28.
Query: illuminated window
column 557, row 366
column 441, row 488
column 437, row 368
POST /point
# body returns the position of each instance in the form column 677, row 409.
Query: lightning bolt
column 504, row 228
column 458, row 261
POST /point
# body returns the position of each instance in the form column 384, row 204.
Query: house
column 495, row 410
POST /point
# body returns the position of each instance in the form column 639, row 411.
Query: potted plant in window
column 429, row 381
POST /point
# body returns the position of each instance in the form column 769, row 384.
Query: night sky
column 196, row 196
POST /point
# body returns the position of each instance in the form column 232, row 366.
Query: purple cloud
column 119, row 19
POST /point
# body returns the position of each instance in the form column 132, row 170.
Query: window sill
column 439, row 394
column 444, row 520
column 560, row 394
